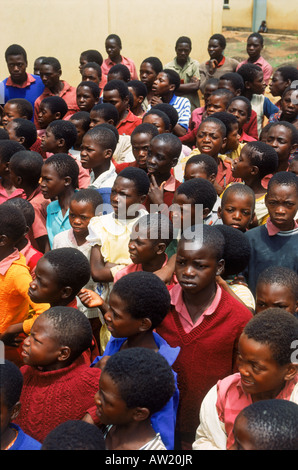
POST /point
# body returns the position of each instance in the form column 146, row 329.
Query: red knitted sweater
column 50, row 398
column 207, row 354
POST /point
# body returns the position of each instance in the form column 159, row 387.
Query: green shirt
column 189, row 70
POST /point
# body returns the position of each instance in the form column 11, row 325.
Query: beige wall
column 239, row 15
column 64, row 28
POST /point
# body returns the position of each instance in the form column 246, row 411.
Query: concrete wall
column 64, row 28
column 238, row 15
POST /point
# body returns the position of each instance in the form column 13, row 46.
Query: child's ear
column 172, row 87
column 108, row 153
column 212, row 178
column 174, row 162
column 160, row 248
column 206, row 211
column 67, row 181
column 291, row 371
column 140, row 414
column 220, row 267
column 143, row 198
column 219, row 212
column 57, row 115
column 66, row 292
column 64, row 353
column 15, row 411
column 61, row 142
column 224, row 142
column 255, row 170
column 146, row 324
column 3, row 240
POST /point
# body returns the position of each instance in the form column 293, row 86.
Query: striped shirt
column 182, row 106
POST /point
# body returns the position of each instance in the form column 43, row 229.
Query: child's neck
column 6, row 251
column 65, row 198
column 154, row 264
column 167, row 97
column 162, row 178
column 256, row 186
column 131, row 436
column 22, row 243
column 7, row 437
column 7, row 184
column 80, row 238
column 197, row 304
column 283, row 166
column 248, row 94
column 101, row 168
column 57, row 88
column 29, row 189
column 141, row 340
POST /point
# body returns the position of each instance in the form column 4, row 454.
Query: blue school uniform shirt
column 24, row 441
column 182, row 106
column 163, row 421
column 56, row 222
column 29, row 93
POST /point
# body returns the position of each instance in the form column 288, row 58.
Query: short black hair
column 290, row 127
column 184, row 39
column 112, row 128
column 172, row 140
column 220, row 38
column 199, row 191
column 262, row 156
column 241, row 189
column 8, row 148
column 159, row 227
column 93, row 65
column 12, row 222
column 94, row 88
column 144, row 377
column 92, row 55
column 236, row 251
column 211, row 238
column 173, row 77
column 161, row 114
column 15, row 49
column 11, row 383
column 246, row 101
column 28, row 165
column 55, row 104
column 227, row 118
column 118, row 85
column 288, row 72
column 107, row 111
column 71, row 266
column 249, row 72
column 64, row 165
column 276, row 328
column 104, row 136
column 228, row 94
column 155, row 63
column 139, row 87
column 74, row 435
column 24, row 106
column 206, row 161
column 3, row 134
column 282, row 276
column 145, row 128
column 27, row 129
column 116, row 38
column 258, row 36
column 25, row 206
column 83, row 117
column 273, row 424
column 219, row 123
column 283, row 178
column 53, row 62
column 122, row 70
column 64, row 130
column 236, row 80
column 170, row 111
column 88, row 195
column 71, row 328
column 139, row 178
column 145, row 296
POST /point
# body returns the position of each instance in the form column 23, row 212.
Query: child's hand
column 102, row 362
column 89, row 298
column 155, row 193
column 11, row 336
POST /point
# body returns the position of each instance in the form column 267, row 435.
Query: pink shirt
column 4, row 196
column 265, row 66
column 231, row 399
column 186, row 321
column 131, row 268
column 273, row 230
column 28, row 82
column 107, row 64
column 7, row 262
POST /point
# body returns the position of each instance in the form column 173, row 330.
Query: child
column 202, row 314
column 113, row 46
column 256, row 160
column 149, row 69
column 232, row 81
column 139, row 92
column 281, row 79
column 60, row 137
column 91, row 55
column 163, row 155
column 23, row 131
column 288, row 108
column 25, row 172
column 266, row 371
column 119, row 72
column 12, row 436
column 59, row 179
column 241, row 108
column 254, row 46
column 293, row 166
column 275, row 243
column 16, row 108
column 7, row 190
column 159, row 119
column 91, row 71
column 265, row 425
column 138, row 303
column 74, row 435
column 218, row 101
column 14, row 283
column 97, row 149
column 84, row 205
column 116, row 93
column 233, row 146
column 277, row 286
column 51, row 109
column 54, row 368
column 23, row 244
column 164, row 88
column 81, row 120
column 109, row 234
column 237, row 207
column 134, row 401
column 88, row 94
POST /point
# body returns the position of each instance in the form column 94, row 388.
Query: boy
column 163, row 155
column 218, row 101
column 25, row 172
column 233, row 146
column 74, row 435
column 50, row 109
column 16, row 108
column 241, row 108
column 54, row 367
column 59, row 179
column 149, row 69
column 7, row 190
column 139, row 92
column 12, row 436
column 254, row 46
column 91, row 71
column 164, row 88
column 200, row 313
column 237, row 207
column 88, row 94
column 81, row 120
column 119, row 72
column 232, row 81
column 265, row 371
column 116, row 93
column 281, row 79
column 23, row 131
column 288, row 108
column 275, row 243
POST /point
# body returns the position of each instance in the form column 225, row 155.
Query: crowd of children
column 149, row 252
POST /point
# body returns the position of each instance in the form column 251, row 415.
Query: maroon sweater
column 207, row 354
column 50, row 398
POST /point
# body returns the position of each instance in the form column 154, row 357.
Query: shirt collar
column 170, row 184
column 30, row 79
column 273, row 230
column 7, row 262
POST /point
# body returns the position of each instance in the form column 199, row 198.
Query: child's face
column 49, row 142
column 119, row 321
column 123, row 195
column 261, row 376
column 10, row 112
column 242, row 167
column 83, row 61
column 85, row 98
column 111, row 408
column 210, row 139
column 40, row 348
column 44, row 287
column 197, row 170
column 92, row 153
column 183, row 213
column 90, row 74
column 141, row 249
column 278, row 85
column 244, row 439
column 112, row 49
column 80, row 129
column 51, row 184
column 289, row 109
column 80, row 213
column 159, row 159
column 233, row 137
column 162, row 85
column 183, row 50
column 279, row 137
column 215, row 50
column 237, row 211
column 113, row 97
column 275, row 296
column 96, row 119
column 209, row 88
column 282, row 203
column 49, row 75
column 228, row 85
column 17, row 65
column 157, row 121
column 196, row 267
column 216, row 104
column 147, row 74
column 254, row 48
column 45, row 116
column 140, row 144
column 258, row 86
column 240, row 111
column 293, row 167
